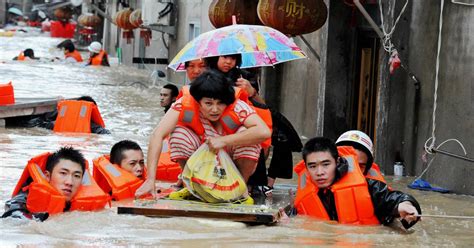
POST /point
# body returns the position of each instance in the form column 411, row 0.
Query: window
column 194, row 30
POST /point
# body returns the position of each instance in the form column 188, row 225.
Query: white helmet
column 95, row 47
column 355, row 136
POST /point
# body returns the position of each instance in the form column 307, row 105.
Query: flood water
column 131, row 110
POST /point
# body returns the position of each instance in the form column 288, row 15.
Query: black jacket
column 16, row 208
column 385, row 202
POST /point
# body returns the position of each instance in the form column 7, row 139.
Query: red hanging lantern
column 88, row 21
column 136, row 21
column 221, row 12
column 122, row 19
column 293, row 17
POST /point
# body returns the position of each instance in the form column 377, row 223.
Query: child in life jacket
column 64, row 172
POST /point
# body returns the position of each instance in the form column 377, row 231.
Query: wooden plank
column 28, row 106
column 266, row 210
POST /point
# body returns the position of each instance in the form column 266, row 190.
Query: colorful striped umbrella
column 259, row 46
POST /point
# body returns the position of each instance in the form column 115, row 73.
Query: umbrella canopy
column 15, row 11
column 258, row 45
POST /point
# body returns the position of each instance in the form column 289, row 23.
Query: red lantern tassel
column 128, row 34
column 146, row 35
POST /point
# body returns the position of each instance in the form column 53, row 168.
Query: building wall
column 455, row 103
column 189, row 12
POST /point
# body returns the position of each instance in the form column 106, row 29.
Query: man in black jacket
column 329, row 172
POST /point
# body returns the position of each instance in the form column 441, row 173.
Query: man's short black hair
column 87, row 98
column 320, row 144
column 116, row 153
column 29, row 53
column 173, row 88
column 68, row 45
column 213, row 84
column 67, row 153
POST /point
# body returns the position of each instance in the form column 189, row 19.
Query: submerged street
column 131, row 109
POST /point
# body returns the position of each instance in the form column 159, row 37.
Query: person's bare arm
column 163, row 129
column 256, row 132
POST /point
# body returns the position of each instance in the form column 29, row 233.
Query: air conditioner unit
column 151, row 10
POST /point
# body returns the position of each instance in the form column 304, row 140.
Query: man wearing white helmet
column 97, row 55
column 363, row 146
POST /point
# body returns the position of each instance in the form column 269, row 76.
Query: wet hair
column 67, row 153
column 213, row 84
column 87, row 98
column 116, row 153
column 29, row 53
column 68, row 45
column 320, row 144
column 173, row 88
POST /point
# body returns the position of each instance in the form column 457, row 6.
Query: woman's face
column 226, row 63
column 212, row 109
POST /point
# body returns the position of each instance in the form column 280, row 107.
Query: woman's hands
column 147, row 187
column 245, row 85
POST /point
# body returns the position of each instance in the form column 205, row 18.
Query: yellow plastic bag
column 213, row 178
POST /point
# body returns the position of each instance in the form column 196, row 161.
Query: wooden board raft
column 265, row 210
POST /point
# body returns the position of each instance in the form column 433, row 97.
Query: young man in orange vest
column 129, row 156
column 334, row 188
column 64, row 171
column 70, row 52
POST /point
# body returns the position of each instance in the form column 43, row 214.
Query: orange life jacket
column 351, row 194
column 21, row 57
column 97, row 60
column 189, row 116
column 76, row 116
column 374, row 171
column 167, row 170
column 112, row 178
column 43, row 197
column 240, row 94
column 76, row 55
column 7, row 95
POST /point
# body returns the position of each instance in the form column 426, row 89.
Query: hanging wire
column 387, row 39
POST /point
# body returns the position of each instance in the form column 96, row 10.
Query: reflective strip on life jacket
column 351, row 195
column 111, row 178
column 43, row 197
column 75, row 54
column 375, row 174
column 97, row 60
column 189, row 116
column 76, row 116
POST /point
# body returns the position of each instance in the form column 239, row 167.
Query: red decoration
column 122, row 19
column 88, row 21
column 394, row 61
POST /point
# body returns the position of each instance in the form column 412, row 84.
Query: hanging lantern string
column 387, row 36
